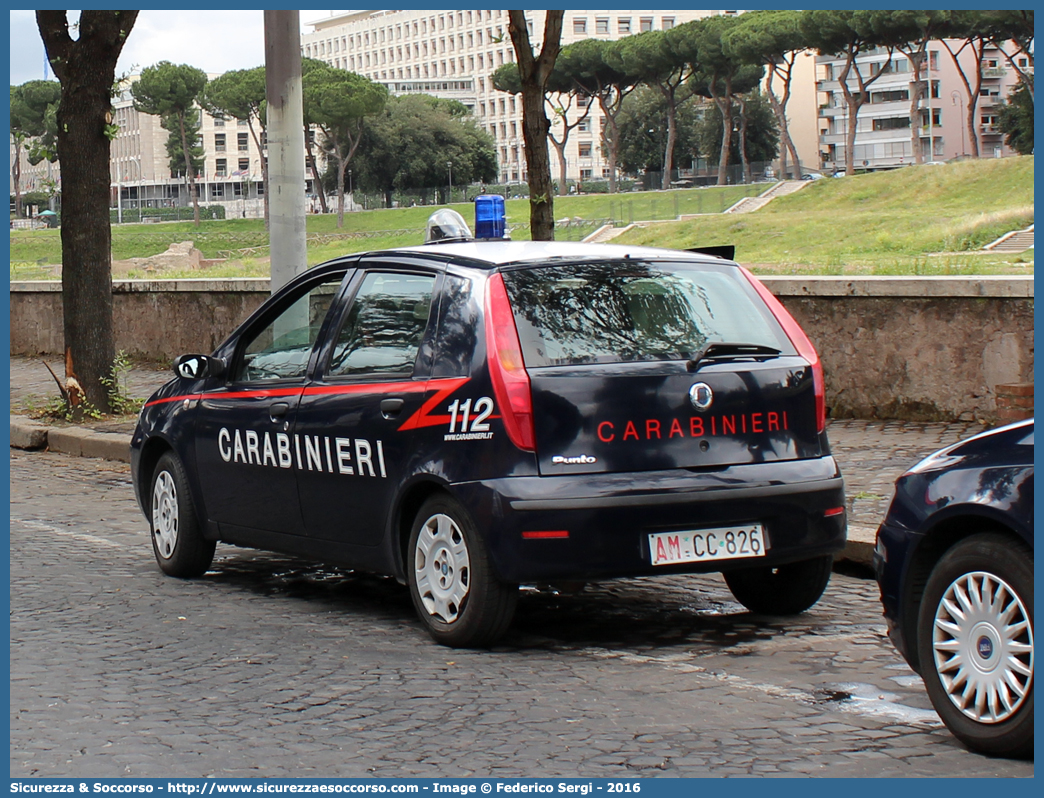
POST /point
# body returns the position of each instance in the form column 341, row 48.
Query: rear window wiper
column 723, row 350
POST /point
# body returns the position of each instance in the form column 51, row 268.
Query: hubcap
column 983, row 646
column 165, row 514
column 442, row 568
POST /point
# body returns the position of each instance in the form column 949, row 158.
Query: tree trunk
column 315, row 172
column 86, row 69
column 534, row 72
column 916, row 58
column 748, row 177
column 972, row 91
column 779, row 108
column 853, row 112
column 342, row 166
column 610, row 137
column 973, row 98
column 535, row 127
column 264, row 165
column 560, row 148
column 16, row 174
column 190, row 173
column 672, row 135
column 725, row 107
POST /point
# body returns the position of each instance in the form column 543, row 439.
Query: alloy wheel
column 442, row 568
column 983, row 647
column 165, row 514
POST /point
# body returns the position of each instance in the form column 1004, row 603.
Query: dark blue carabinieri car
column 474, row 415
column 954, row 560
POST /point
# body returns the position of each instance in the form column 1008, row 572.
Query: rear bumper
column 609, row 517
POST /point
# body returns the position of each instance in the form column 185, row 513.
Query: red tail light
column 506, row 367
column 801, row 343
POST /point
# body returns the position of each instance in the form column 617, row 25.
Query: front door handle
column 390, row 408
column 278, row 411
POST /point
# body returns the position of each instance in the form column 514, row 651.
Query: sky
column 214, row 41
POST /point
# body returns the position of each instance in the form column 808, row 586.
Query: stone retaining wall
column 918, row 348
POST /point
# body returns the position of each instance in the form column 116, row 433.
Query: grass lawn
column 916, row 220
column 33, row 253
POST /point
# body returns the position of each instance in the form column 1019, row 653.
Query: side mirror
column 198, row 367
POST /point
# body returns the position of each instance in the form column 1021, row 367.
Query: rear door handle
column 390, row 408
column 278, row 411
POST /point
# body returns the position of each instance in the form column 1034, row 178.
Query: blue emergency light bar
column 490, row 216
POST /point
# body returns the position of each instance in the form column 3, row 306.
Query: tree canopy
column 1016, row 119
column 409, row 143
column 643, row 132
column 34, row 106
column 240, row 94
column 171, row 91
column 338, row 103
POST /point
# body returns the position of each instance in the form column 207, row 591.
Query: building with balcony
column 139, row 167
column 452, row 54
column 885, row 128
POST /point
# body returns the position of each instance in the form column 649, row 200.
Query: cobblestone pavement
column 271, row 667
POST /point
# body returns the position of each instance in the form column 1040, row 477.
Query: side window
column 459, row 323
column 281, row 348
column 384, row 326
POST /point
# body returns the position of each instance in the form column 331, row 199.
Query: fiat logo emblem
column 701, row 395
column 985, row 647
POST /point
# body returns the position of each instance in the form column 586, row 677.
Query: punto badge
column 701, row 395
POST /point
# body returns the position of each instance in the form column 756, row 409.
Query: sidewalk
column 871, row 453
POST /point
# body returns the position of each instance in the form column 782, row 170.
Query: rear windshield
column 634, row 311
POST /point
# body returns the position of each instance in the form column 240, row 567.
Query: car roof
column 501, row 253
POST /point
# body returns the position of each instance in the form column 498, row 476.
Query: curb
column 29, row 434
column 859, row 547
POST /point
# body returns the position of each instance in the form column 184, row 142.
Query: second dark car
column 954, row 560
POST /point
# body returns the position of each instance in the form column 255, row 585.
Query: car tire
column 177, row 540
column 781, row 590
column 455, row 593
column 987, row 705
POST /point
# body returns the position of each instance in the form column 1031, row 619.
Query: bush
column 602, row 186
column 177, row 214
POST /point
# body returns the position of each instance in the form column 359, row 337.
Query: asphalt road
column 269, row 666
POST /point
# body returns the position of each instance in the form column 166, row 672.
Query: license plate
column 705, row 545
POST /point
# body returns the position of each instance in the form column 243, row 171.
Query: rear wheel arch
column 939, row 539
column 409, row 504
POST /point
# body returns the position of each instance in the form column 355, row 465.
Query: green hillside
column 916, row 220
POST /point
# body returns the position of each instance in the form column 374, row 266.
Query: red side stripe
column 421, row 418
column 173, row 399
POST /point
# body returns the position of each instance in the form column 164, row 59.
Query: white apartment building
column 452, row 54
column 883, row 134
column 139, row 167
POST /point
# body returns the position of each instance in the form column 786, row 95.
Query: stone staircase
column 745, row 205
column 606, row 233
column 784, row 187
column 1015, row 241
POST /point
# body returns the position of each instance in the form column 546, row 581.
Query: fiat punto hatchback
column 471, row 416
